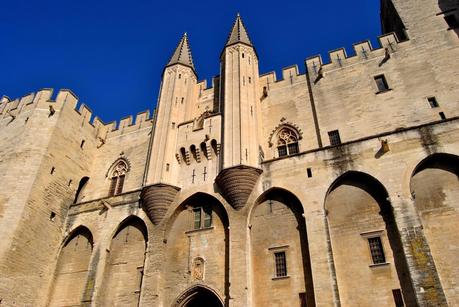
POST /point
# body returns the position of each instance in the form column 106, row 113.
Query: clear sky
column 111, row 53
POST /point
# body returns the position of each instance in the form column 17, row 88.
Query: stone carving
column 197, row 271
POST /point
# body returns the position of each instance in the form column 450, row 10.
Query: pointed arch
column 285, row 139
column 279, row 249
column 126, row 257
column 72, row 268
column 200, row 218
column 434, row 188
column 361, row 227
column 117, row 174
column 198, row 295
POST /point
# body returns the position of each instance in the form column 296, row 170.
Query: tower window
column 281, row 264
column 117, row 178
column 376, row 249
column 287, row 143
column 82, row 144
column 381, row 83
column 243, row 55
column 442, row 115
column 433, row 102
column 452, row 21
column 334, row 137
column 202, row 217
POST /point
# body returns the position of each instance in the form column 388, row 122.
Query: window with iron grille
column 376, row 249
column 335, row 139
column 281, row 264
column 287, row 142
column 117, row 178
column 398, row 298
column 202, row 217
column 381, row 83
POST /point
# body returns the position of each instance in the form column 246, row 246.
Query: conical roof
column 182, row 54
column 238, row 33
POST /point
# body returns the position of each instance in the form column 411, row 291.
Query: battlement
column 67, row 100
column 362, row 51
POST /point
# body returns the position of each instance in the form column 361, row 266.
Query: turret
column 175, row 103
column 241, row 113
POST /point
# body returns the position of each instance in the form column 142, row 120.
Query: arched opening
column 193, row 152
column 366, row 243
column 204, row 149
column 197, row 239
column 72, row 269
column 81, row 186
column 125, row 263
column 117, row 177
column 198, row 296
column 214, row 145
column 287, row 142
column 280, row 260
column 435, row 190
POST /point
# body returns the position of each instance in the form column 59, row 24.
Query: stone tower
column 240, row 101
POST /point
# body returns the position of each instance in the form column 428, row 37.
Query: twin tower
column 215, row 132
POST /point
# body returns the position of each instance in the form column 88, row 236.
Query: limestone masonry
column 337, row 187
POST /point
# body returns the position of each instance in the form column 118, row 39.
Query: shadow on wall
column 450, row 10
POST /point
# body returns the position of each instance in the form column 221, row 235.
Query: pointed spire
column 238, row 33
column 182, row 54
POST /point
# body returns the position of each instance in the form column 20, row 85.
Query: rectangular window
column 207, row 218
column 112, row 189
column 119, row 188
column 197, row 218
column 335, row 139
column 433, row 102
column 293, row 148
column 202, row 217
column 376, row 249
column 381, row 83
column 281, row 264
column 452, row 21
column 303, row 302
column 442, row 115
column 398, row 298
column 282, row 151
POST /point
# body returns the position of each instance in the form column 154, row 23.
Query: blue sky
column 111, row 53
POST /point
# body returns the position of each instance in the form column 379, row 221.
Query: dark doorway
column 201, row 297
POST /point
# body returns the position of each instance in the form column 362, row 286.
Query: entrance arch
column 198, row 296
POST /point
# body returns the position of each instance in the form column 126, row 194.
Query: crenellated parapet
column 66, row 101
column 362, row 52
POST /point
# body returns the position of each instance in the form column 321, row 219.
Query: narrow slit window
column 334, row 137
column 442, row 115
column 281, row 264
column 433, row 102
column 309, row 171
column 381, row 83
column 376, row 249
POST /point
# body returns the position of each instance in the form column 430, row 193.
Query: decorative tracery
column 287, row 142
column 117, row 178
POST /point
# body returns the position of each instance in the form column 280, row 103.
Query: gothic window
column 202, row 217
column 287, row 143
column 117, row 178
